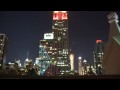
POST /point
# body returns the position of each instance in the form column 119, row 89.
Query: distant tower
column 85, row 67
column 98, row 56
column 72, row 60
column 61, row 44
column 3, row 49
column 80, row 65
column 28, row 61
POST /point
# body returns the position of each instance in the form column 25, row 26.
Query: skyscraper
column 98, row 56
column 61, row 42
column 56, row 45
column 3, row 49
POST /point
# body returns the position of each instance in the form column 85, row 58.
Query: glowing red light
column 98, row 41
column 59, row 15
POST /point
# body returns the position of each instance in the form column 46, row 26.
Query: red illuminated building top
column 98, row 41
column 60, row 15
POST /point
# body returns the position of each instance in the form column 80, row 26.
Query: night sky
column 24, row 29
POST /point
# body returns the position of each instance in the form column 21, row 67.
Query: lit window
column 99, row 65
column 63, row 33
column 56, row 23
column 50, row 48
column 59, row 38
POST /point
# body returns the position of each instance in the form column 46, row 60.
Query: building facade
column 98, row 56
column 3, row 49
column 111, row 60
column 56, row 45
column 61, row 41
column 80, row 66
column 71, row 60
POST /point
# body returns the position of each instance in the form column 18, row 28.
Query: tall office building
column 3, row 49
column 61, row 44
column 98, row 56
column 55, row 45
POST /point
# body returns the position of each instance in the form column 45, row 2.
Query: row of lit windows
column 64, row 71
column 62, row 65
column 41, row 52
column 39, row 62
column 53, row 48
column 49, row 52
column 43, row 57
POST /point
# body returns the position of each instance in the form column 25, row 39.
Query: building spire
column 113, row 17
column 27, row 54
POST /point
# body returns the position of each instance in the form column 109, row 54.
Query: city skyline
column 28, row 27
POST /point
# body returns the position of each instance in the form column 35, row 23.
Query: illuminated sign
column 48, row 36
column 59, row 15
column 98, row 41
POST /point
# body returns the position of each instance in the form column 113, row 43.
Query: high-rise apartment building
column 98, row 56
column 3, row 49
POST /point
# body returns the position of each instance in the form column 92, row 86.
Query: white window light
column 61, row 73
column 56, row 23
column 99, row 65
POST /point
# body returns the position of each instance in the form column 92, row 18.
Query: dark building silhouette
column 98, row 56
column 52, row 71
column 111, row 60
column 3, row 49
